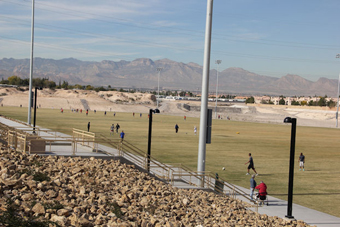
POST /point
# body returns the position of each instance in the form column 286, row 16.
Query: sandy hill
column 79, row 99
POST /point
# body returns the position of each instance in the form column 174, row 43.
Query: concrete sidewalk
column 277, row 207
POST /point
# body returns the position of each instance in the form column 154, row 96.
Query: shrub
column 55, row 205
column 41, row 177
column 115, row 208
column 11, row 217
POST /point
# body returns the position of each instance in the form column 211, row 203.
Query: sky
column 267, row 37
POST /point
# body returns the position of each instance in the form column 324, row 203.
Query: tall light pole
column 291, row 166
column 218, row 62
column 30, row 97
column 204, row 96
column 337, row 106
column 159, row 74
column 149, row 137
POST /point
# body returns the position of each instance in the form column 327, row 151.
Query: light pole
column 35, row 107
column 159, row 74
column 30, row 98
column 337, row 105
column 204, row 96
column 149, row 137
column 291, row 166
column 218, row 62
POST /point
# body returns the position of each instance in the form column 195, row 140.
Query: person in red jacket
column 262, row 190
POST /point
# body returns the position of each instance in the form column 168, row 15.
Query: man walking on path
column 122, row 134
column 302, row 162
column 252, row 186
column 251, row 164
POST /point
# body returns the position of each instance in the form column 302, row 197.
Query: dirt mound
column 74, row 99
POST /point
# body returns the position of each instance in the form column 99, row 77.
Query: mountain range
column 142, row 73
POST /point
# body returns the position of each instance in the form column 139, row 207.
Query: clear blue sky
column 268, row 37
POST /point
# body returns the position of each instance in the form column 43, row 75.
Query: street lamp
column 35, row 106
column 291, row 166
column 337, row 108
column 30, row 98
column 149, row 138
column 218, row 62
column 159, row 74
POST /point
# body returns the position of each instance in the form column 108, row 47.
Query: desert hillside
column 79, row 99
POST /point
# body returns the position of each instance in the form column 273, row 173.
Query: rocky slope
column 95, row 192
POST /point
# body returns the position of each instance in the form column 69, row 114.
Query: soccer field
column 317, row 187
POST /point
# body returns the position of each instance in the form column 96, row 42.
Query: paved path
column 277, row 207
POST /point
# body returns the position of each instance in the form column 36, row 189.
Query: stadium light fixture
column 291, row 166
column 218, row 62
column 149, row 137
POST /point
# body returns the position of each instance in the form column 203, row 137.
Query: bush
column 11, row 217
column 41, row 177
column 55, row 205
column 115, row 208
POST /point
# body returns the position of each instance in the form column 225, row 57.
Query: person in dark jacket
column 176, row 128
column 88, row 126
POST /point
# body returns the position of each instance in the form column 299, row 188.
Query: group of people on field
column 262, row 187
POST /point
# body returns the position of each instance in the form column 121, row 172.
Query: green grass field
column 318, row 187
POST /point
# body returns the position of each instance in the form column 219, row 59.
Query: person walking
column 117, row 127
column 302, row 162
column 88, row 126
column 176, row 128
column 195, row 129
column 112, row 128
column 251, row 165
column 252, row 186
column 122, row 134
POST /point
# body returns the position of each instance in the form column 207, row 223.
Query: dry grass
column 317, row 187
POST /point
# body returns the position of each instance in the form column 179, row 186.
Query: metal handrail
column 139, row 157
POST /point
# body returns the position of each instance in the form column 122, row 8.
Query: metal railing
column 170, row 172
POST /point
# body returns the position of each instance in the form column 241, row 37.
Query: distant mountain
column 142, row 73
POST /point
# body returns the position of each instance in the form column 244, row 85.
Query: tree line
column 321, row 102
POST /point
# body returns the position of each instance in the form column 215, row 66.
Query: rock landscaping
column 64, row 191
